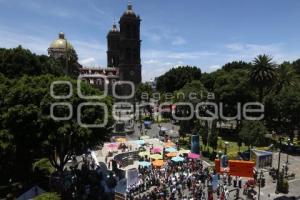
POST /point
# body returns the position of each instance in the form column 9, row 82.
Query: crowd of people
column 182, row 180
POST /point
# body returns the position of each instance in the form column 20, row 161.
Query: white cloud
column 248, row 51
column 158, row 33
column 235, row 46
column 153, row 37
column 13, row 38
column 213, row 67
column 88, row 61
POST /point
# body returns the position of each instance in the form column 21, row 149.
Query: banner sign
column 195, row 146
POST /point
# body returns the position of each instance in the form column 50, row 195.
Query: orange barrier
column 241, row 168
column 217, row 165
column 237, row 168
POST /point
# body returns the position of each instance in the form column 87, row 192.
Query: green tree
column 236, row 65
column 143, row 92
column 17, row 62
column 282, row 110
column 296, row 66
column 263, row 74
column 233, row 88
column 69, row 63
column 253, row 133
column 192, row 92
column 32, row 133
column 177, row 77
column 287, row 77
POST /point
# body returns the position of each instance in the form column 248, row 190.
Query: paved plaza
column 267, row 192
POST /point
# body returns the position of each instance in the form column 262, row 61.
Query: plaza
column 149, row 100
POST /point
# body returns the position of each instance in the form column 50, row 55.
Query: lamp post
column 287, row 153
column 278, row 168
column 279, row 155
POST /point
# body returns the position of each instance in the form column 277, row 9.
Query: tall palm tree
column 263, row 74
column 287, row 76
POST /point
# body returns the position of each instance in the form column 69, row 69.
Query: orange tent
column 158, row 163
column 171, row 154
column 169, row 144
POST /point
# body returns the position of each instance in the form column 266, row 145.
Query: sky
column 202, row 33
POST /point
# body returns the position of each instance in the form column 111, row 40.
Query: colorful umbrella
column 144, row 137
column 121, row 139
column 156, row 156
column 193, row 155
column 171, row 149
column 144, row 153
column 171, row 154
column 169, row 144
column 144, row 163
column 113, row 145
column 177, row 159
column 156, row 150
column 184, row 151
column 139, row 142
column 158, row 163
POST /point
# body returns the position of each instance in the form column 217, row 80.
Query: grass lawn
column 232, row 149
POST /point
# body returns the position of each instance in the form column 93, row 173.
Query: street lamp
column 226, row 146
column 278, row 168
column 287, row 153
column 279, row 155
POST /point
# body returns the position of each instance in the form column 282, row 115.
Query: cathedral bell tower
column 113, row 47
column 130, row 47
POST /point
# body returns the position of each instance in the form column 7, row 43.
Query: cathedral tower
column 130, row 47
column 113, row 47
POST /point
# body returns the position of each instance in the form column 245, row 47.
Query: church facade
column 123, row 53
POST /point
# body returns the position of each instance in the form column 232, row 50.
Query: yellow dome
column 60, row 46
column 61, row 43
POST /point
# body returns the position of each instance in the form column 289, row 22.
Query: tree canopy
column 253, row 133
column 18, row 61
column 29, row 132
column 177, row 77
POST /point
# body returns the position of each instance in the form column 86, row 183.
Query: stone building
column 123, row 53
